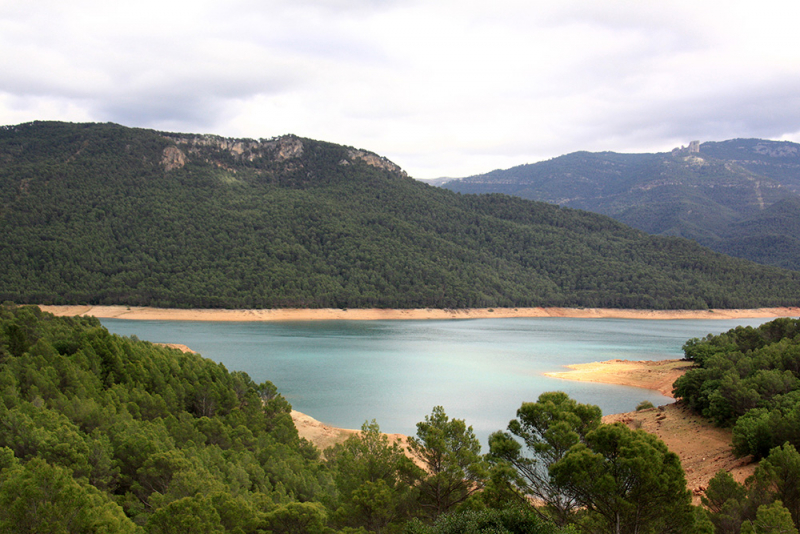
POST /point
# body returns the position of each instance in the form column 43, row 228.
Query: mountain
column 718, row 194
column 104, row 214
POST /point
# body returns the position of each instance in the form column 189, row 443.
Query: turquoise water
column 479, row 370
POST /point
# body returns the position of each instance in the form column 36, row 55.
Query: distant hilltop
column 739, row 197
column 693, row 148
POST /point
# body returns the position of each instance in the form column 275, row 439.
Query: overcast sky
column 440, row 87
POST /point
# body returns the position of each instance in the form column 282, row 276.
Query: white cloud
column 442, row 88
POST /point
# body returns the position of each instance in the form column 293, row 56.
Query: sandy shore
column 658, row 376
column 324, row 436
column 166, row 314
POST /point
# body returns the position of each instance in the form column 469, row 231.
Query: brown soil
column 704, row 449
column 320, row 434
column 324, row 436
column 182, row 348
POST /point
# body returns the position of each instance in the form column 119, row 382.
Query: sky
column 440, row 87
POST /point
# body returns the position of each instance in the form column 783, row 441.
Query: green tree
column 297, row 518
column 770, row 519
column 548, row 428
column 39, row 498
column 628, row 482
column 190, row 515
column 510, row 520
column 779, row 474
column 373, row 480
column 450, row 453
column 727, row 503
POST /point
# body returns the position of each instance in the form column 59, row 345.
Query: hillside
column 104, row 214
column 738, row 197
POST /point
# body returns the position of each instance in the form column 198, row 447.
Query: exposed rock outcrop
column 173, row 158
column 375, row 160
column 283, row 148
column 280, row 148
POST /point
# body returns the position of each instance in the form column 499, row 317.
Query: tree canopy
column 749, row 378
column 739, row 197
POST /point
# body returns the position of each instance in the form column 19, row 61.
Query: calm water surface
column 480, row 370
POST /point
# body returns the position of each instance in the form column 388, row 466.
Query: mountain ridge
column 701, row 194
column 104, row 214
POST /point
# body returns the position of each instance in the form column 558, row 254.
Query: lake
column 479, row 370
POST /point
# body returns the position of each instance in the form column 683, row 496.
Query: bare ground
column 704, row 449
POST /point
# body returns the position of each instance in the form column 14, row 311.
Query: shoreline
column 375, row 314
column 646, row 374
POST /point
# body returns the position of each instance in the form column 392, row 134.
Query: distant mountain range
column 739, row 197
column 104, row 214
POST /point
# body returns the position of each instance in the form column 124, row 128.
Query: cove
column 479, row 370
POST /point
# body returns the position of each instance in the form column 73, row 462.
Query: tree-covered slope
column 105, row 434
column 748, row 378
column 103, row 214
column 708, row 196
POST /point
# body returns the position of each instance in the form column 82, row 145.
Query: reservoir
column 480, row 370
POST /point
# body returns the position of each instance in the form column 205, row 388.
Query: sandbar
column 372, row 314
column 655, row 375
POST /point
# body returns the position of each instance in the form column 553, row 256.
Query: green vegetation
column 111, row 434
column 769, row 501
column 749, row 378
column 103, row 214
column 100, row 433
column 603, row 478
column 738, row 197
column 511, row 520
column 450, row 453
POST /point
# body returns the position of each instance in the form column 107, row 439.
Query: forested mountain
column 738, row 197
column 104, row 214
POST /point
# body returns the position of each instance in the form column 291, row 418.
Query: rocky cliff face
column 278, row 149
column 375, row 160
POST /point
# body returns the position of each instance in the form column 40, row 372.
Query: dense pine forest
column 102, row 433
column 104, row 214
column 739, row 197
